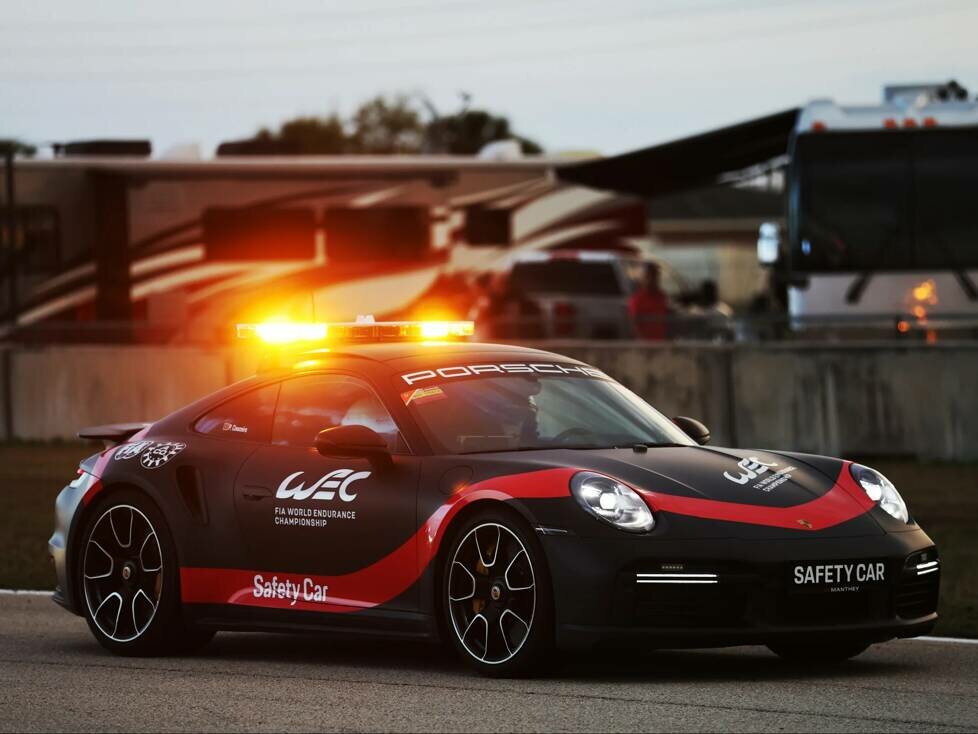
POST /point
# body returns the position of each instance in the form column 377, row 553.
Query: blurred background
column 761, row 214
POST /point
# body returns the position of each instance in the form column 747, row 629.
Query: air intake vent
column 191, row 492
column 919, row 586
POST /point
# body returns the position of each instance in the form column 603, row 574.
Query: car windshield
column 526, row 412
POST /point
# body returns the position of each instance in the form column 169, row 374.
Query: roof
column 687, row 163
column 290, row 166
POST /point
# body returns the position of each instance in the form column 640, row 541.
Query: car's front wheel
column 129, row 581
column 819, row 652
column 496, row 596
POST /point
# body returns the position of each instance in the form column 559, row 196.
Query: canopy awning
column 688, row 163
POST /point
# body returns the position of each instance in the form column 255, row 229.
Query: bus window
column 852, row 202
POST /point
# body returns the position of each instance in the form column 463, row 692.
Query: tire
column 496, row 598
column 129, row 582
column 827, row 652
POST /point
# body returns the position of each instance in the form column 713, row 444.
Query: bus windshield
column 877, row 201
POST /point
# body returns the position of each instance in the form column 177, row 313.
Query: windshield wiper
column 663, row 445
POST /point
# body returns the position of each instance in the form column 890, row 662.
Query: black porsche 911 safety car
column 510, row 500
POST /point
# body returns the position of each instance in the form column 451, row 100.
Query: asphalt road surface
column 53, row 676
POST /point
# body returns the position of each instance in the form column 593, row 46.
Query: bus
column 881, row 212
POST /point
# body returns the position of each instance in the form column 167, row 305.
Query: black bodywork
column 380, row 567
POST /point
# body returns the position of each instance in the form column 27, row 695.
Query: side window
column 247, row 417
column 312, row 404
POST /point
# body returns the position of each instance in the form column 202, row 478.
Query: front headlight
column 612, row 501
column 881, row 491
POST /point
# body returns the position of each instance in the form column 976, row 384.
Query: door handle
column 254, row 494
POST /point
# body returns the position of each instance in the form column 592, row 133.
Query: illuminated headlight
column 881, row 491
column 612, row 502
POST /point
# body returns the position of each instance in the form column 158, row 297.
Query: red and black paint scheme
column 747, row 546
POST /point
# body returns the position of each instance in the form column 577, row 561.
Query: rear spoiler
column 112, row 434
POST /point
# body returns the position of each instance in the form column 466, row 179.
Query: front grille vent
column 919, row 586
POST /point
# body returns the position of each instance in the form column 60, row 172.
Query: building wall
column 850, row 399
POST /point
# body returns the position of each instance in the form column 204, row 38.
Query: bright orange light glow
column 903, row 327
column 445, row 329
column 920, row 312
column 288, row 332
column 308, row 364
column 280, row 332
column 925, row 292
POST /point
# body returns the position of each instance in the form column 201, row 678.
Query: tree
column 468, row 131
column 18, row 147
column 323, row 135
column 301, row 136
column 383, row 126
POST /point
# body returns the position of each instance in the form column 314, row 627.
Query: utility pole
column 11, row 272
column 11, row 229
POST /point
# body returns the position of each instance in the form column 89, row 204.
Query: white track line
column 24, row 592
column 954, row 640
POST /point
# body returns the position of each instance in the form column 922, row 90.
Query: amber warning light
column 364, row 329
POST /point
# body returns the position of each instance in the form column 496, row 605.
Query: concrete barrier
column 57, row 390
column 848, row 399
column 838, row 398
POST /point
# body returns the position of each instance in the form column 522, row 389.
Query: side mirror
column 693, row 428
column 768, row 243
column 358, row 441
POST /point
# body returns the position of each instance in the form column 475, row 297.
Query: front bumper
column 731, row 591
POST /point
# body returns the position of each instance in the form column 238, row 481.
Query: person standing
column 713, row 316
column 649, row 307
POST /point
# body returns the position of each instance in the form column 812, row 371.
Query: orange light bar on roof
column 283, row 332
column 363, row 331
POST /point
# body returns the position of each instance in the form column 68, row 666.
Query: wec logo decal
column 323, row 489
column 752, row 468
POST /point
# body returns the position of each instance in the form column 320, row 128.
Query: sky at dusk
column 607, row 76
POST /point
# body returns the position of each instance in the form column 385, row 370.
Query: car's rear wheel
column 496, row 597
column 129, row 580
column 819, row 652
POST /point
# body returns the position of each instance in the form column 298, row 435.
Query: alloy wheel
column 122, row 573
column 492, row 593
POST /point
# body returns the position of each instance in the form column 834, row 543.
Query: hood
column 750, row 488
column 747, row 477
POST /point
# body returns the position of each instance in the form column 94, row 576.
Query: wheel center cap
column 495, row 592
column 126, row 572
